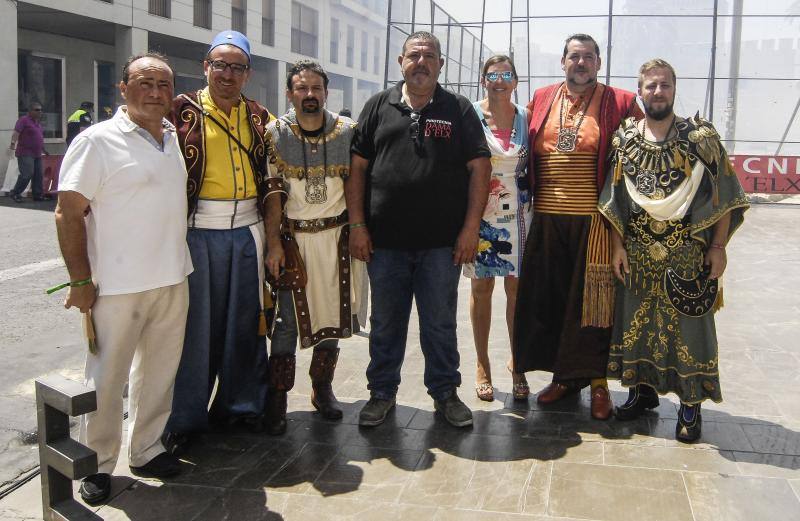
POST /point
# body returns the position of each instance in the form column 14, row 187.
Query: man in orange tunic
column 564, row 308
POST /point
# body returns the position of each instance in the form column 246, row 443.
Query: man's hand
column 276, row 259
column 81, row 297
column 717, row 259
column 466, row 248
column 360, row 243
column 619, row 262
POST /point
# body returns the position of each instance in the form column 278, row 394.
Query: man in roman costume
column 309, row 157
column 673, row 202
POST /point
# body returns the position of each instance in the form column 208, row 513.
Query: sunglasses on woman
column 506, row 76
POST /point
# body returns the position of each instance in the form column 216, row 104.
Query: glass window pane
column 581, row 7
column 496, row 38
column 422, row 19
column 774, row 7
column 665, row 7
column 547, row 42
column 40, row 81
column 761, row 111
column 401, row 12
column 688, row 47
column 769, row 47
column 496, row 11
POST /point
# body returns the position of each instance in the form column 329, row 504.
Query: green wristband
column 76, row 284
column 357, row 225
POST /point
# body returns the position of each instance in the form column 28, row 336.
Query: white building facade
column 63, row 52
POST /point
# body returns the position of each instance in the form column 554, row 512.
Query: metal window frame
column 466, row 85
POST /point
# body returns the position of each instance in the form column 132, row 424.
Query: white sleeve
column 82, row 169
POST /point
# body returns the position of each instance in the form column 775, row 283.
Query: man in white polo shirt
column 121, row 221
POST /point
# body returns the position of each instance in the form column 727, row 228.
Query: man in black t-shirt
column 419, row 180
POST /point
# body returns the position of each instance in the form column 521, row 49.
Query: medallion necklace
column 316, row 189
column 646, row 180
column 568, row 137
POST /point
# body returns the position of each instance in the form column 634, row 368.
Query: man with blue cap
column 221, row 135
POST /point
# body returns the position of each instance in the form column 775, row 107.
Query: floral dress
column 507, row 217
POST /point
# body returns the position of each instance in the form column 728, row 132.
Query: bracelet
column 357, row 225
column 76, row 284
column 79, row 283
column 717, row 246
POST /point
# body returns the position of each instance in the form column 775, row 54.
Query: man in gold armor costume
column 673, row 202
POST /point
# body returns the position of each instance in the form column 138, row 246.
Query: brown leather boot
column 323, row 364
column 281, row 381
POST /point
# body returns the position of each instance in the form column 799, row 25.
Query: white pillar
column 8, row 80
column 280, row 78
column 128, row 41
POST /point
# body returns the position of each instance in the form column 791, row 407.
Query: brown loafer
column 554, row 392
column 601, row 404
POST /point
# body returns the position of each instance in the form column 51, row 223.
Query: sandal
column 485, row 391
column 520, row 389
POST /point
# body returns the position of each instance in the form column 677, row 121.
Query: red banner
column 768, row 174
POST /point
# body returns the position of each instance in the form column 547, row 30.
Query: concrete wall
column 8, row 81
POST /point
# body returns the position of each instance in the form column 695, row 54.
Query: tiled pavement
column 520, row 461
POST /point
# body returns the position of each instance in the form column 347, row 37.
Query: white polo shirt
column 136, row 229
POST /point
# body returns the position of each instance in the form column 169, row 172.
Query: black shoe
column 175, row 443
column 374, row 412
column 17, row 198
column 95, row 488
column 455, row 412
column 162, row 466
column 640, row 398
column 690, row 423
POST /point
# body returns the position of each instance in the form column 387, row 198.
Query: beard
column 658, row 114
column 573, row 80
column 310, row 106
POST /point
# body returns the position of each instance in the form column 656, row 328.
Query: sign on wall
column 768, row 174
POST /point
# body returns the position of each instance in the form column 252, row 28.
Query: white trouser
column 139, row 340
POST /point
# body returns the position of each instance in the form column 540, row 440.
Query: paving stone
column 740, row 498
column 617, row 493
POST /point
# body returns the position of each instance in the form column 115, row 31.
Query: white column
column 8, row 80
column 128, row 41
column 281, row 79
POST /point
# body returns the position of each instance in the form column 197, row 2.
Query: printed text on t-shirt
column 438, row 128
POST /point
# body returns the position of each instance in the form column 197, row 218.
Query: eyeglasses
column 221, row 65
column 36, row 110
column 507, row 76
column 413, row 130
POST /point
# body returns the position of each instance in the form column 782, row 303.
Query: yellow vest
column 228, row 173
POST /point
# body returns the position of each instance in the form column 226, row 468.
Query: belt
column 316, row 225
column 224, row 215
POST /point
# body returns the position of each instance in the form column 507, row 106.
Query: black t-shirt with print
column 417, row 189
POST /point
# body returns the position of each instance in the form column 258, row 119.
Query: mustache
column 310, row 106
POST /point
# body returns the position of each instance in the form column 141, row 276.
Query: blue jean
column 30, row 168
column 221, row 333
column 429, row 277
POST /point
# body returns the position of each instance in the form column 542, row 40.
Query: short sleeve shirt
column 136, row 230
column 417, row 182
column 31, row 137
